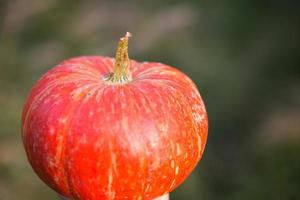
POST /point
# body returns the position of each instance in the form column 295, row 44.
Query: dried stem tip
column 121, row 73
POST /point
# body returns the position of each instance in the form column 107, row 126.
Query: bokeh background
column 243, row 55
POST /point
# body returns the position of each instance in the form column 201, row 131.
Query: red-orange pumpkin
column 95, row 128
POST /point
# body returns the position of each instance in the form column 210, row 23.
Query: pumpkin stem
column 121, row 73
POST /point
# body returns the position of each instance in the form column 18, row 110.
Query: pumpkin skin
column 89, row 139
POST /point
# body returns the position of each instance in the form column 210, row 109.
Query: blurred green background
column 243, row 55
